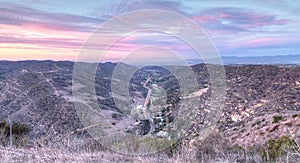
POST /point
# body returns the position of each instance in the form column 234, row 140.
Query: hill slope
column 262, row 100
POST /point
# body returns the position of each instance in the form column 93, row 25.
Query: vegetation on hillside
column 14, row 132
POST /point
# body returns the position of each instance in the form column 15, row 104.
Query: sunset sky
column 57, row 29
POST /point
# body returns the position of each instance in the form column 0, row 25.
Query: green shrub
column 3, row 124
column 18, row 132
column 278, row 147
column 295, row 115
column 277, row 118
column 17, row 128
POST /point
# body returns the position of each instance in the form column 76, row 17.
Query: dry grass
column 213, row 149
column 45, row 154
column 56, row 155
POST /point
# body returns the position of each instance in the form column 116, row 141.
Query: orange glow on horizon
column 29, row 42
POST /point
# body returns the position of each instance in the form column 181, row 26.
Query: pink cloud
column 261, row 24
column 236, row 20
column 260, row 42
column 224, row 16
column 204, row 18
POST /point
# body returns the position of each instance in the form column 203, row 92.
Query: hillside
column 262, row 101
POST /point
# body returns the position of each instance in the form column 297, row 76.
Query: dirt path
column 145, row 107
column 48, row 81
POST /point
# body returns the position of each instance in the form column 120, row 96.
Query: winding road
column 145, row 107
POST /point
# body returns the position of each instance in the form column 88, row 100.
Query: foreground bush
column 18, row 132
column 281, row 147
column 215, row 148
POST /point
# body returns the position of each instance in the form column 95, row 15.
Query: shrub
column 296, row 115
column 277, row 118
column 277, row 148
column 114, row 115
column 17, row 128
column 18, row 132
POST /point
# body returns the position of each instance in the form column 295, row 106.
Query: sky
column 57, row 30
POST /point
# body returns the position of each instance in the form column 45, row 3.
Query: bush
column 296, row 115
column 18, row 132
column 17, row 128
column 277, row 148
column 276, row 119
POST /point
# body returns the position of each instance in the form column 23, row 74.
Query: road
column 145, row 107
column 48, row 81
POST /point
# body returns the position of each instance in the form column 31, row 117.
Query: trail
column 145, row 107
column 58, row 68
column 55, row 90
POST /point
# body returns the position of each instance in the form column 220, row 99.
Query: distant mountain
column 270, row 60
